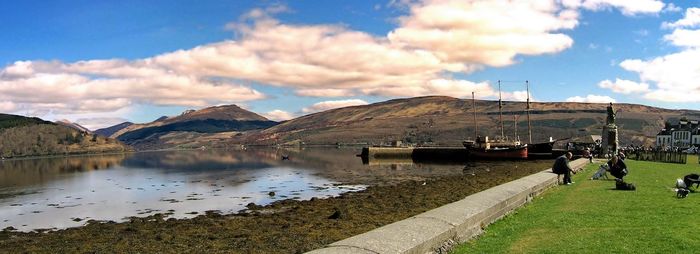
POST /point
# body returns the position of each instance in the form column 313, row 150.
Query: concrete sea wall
column 449, row 224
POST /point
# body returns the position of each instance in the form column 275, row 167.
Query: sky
column 99, row 63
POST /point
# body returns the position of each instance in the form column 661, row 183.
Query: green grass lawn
column 591, row 217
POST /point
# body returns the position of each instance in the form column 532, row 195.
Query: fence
column 668, row 157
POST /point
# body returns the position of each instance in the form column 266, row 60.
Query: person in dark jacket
column 617, row 167
column 588, row 155
column 561, row 167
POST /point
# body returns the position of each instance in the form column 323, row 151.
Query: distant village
column 684, row 135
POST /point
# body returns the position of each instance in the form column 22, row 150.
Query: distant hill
column 10, row 121
column 228, row 118
column 22, row 136
column 108, row 131
column 73, row 125
column 443, row 120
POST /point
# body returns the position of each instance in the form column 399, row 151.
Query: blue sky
column 101, row 62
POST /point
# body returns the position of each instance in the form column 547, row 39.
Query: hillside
column 35, row 137
column 10, row 121
column 108, row 131
column 220, row 119
column 447, row 121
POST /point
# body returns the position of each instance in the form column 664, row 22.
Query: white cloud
column 432, row 41
column 624, row 86
column 18, row 69
column 674, row 71
column 450, row 87
column 278, row 115
column 458, row 88
column 675, row 75
column 627, row 7
column 690, row 19
column 673, row 95
column 309, row 57
column 326, row 105
column 324, row 92
column 7, row 106
column 99, row 122
column 105, row 86
column 591, row 98
column 670, row 7
column 516, row 96
column 489, row 32
column 684, row 38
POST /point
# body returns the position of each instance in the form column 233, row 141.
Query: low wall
column 451, row 223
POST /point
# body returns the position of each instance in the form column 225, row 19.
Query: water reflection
column 18, row 173
column 65, row 192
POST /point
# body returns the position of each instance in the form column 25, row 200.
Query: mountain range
column 439, row 120
column 106, row 132
column 431, row 120
column 166, row 132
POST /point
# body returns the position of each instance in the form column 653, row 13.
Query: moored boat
column 540, row 150
column 498, row 149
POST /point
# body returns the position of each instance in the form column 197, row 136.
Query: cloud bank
column 326, row 105
column 432, row 41
column 591, row 98
column 674, row 77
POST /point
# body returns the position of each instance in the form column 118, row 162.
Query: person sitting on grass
column 617, row 167
column 561, row 167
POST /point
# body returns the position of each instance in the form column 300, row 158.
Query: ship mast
column 476, row 126
column 500, row 109
column 515, row 126
column 529, row 127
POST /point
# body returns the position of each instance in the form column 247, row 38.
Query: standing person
column 587, row 154
column 617, row 167
column 561, row 167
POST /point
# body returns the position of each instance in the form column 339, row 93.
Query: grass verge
column 590, row 216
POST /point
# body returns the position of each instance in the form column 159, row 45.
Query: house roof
column 683, row 125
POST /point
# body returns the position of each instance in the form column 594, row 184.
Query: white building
column 684, row 134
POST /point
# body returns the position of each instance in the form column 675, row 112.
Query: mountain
column 23, row 136
column 108, row 131
column 73, row 125
column 440, row 120
column 171, row 131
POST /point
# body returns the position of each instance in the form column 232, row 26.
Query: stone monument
column 609, row 136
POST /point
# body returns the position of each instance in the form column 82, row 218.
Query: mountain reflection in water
column 68, row 191
column 65, row 192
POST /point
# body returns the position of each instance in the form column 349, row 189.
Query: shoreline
column 284, row 226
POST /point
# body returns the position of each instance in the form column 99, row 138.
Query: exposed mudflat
column 285, row 226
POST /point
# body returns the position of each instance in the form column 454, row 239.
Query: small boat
column 497, row 149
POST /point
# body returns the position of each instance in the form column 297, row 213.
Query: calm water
column 65, row 192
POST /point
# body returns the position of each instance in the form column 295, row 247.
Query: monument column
column 609, row 136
